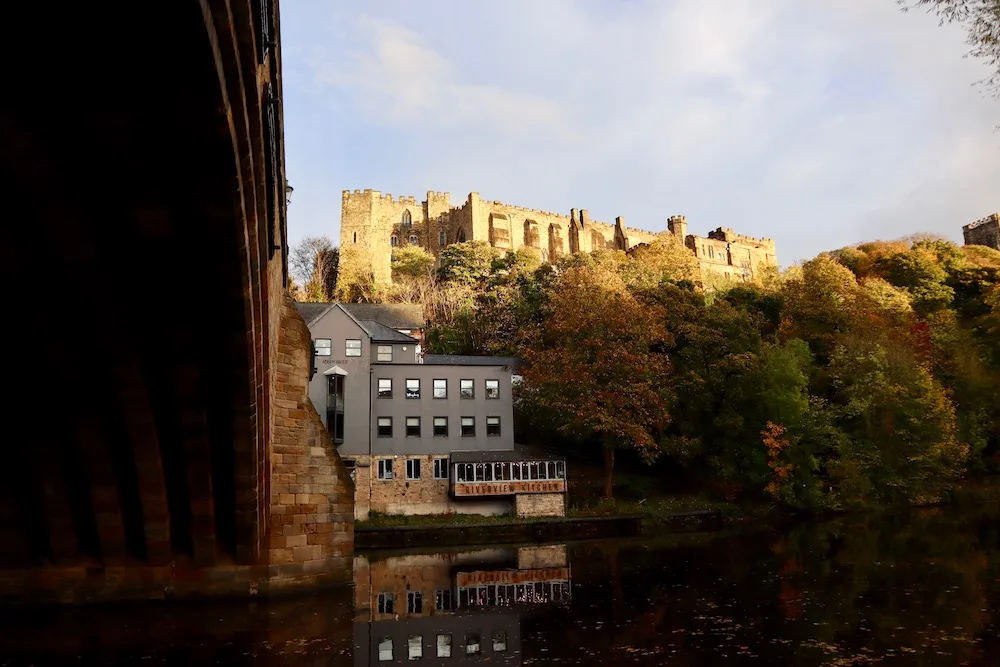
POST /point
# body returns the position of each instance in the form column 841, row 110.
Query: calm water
column 921, row 591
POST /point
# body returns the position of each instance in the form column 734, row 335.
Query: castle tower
column 985, row 231
column 678, row 226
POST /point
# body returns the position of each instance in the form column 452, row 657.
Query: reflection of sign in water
column 508, row 488
column 463, row 579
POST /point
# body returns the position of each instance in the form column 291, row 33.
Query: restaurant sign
column 509, row 488
column 507, row 577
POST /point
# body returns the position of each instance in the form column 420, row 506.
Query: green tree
column 466, row 263
column 901, row 443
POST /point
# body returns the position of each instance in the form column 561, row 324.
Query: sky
column 819, row 124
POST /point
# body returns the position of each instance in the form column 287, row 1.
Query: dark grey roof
column 471, row 360
column 311, row 310
column 383, row 334
column 501, row 455
column 392, row 315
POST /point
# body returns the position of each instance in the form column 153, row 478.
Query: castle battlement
column 370, row 219
column 982, row 221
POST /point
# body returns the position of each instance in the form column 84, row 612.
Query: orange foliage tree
column 595, row 366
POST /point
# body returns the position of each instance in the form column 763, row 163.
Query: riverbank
column 610, row 519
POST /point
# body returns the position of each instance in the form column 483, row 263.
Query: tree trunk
column 609, row 471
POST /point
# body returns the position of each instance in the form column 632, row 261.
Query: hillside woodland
column 868, row 376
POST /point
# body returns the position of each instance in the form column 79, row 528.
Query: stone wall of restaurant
column 540, row 504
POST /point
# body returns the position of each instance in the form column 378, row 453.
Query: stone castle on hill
column 377, row 223
column 985, row 231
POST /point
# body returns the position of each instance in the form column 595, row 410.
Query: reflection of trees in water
column 878, row 583
column 919, row 590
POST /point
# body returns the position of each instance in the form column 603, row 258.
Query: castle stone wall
column 985, row 231
column 370, row 220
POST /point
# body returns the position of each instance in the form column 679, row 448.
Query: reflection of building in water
column 444, row 607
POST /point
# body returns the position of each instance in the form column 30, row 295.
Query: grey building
column 398, row 417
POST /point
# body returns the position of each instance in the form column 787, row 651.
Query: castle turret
column 678, row 226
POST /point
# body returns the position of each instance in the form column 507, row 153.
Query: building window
column 384, row 353
column 413, row 467
column 413, row 427
column 441, row 427
column 444, row 645
column 413, row 239
column 440, row 465
column 492, row 426
column 413, row 388
column 493, row 389
column 394, row 240
column 385, row 387
column 385, row 471
column 711, row 252
column 355, row 237
column 468, row 427
column 385, row 649
column 441, row 238
column 468, row 388
column 414, row 602
column 385, row 603
column 414, row 647
column 324, row 347
column 353, row 347
column 407, row 219
column 472, row 644
column 499, row 641
column 335, row 407
column 440, row 389
column 442, row 599
column 560, row 470
column 464, row 473
column 385, row 427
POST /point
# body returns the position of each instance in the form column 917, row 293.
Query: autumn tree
column 595, row 366
column 413, row 274
column 355, row 281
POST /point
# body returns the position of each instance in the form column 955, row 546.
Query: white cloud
column 819, row 124
column 397, row 77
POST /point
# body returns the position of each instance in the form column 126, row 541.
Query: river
column 921, row 591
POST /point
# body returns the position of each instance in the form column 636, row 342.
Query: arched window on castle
column 394, row 240
column 413, row 239
column 407, row 219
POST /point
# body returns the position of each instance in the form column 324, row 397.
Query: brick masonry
column 540, row 504
column 311, row 526
column 309, row 521
column 426, row 495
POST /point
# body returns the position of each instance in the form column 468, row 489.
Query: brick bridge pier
column 159, row 442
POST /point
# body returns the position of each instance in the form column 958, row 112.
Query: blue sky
column 819, row 124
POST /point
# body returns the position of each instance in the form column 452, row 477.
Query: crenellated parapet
column 380, row 222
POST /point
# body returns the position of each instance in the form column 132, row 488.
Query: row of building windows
column 466, row 388
column 352, row 348
column 484, row 595
column 413, row 430
column 413, row 469
column 510, row 471
column 415, row 646
column 414, row 602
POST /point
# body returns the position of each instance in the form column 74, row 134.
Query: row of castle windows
column 414, row 240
